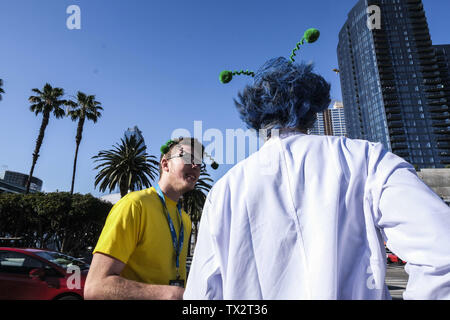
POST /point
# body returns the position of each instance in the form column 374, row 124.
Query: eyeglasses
column 188, row 158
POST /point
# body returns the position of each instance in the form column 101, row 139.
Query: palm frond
column 125, row 165
column 87, row 107
column 47, row 100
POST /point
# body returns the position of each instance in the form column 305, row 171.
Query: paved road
column 396, row 280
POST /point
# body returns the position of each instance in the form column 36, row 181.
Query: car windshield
column 62, row 260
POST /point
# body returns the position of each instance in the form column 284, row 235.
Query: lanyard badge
column 177, row 243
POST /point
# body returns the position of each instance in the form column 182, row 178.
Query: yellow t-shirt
column 137, row 233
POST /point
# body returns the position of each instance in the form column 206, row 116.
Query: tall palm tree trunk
column 77, row 141
column 39, row 140
column 123, row 189
column 74, row 168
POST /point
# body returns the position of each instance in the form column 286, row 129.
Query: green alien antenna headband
column 311, row 35
column 166, row 147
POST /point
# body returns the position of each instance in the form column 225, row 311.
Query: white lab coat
column 306, row 217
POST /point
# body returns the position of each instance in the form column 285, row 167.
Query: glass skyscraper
column 391, row 81
column 443, row 90
column 337, row 116
column 330, row 122
column 319, row 126
column 138, row 135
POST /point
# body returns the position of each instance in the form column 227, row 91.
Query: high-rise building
column 16, row 182
column 137, row 133
column 337, row 116
column 330, row 122
column 319, row 126
column 391, row 82
column 443, row 91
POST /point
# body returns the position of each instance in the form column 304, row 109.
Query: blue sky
column 154, row 64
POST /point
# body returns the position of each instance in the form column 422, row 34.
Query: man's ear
column 164, row 165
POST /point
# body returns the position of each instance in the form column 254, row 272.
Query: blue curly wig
column 284, row 95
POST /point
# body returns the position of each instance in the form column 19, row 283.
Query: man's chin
column 189, row 187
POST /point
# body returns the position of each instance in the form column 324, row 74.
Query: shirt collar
column 285, row 132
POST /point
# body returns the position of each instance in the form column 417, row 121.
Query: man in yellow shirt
column 141, row 252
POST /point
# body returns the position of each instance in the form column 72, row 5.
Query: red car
column 35, row 274
column 393, row 258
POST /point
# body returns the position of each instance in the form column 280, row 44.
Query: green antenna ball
column 311, row 35
column 225, row 76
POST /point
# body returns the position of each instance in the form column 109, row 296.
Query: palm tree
column 84, row 108
column 194, row 200
column 127, row 166
column 1, row 89
column 46, row 102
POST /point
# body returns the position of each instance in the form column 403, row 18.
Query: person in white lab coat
column 306, row 216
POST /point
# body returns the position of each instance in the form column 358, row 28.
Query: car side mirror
column 37, row 273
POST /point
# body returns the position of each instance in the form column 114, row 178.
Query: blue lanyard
column 177, row 244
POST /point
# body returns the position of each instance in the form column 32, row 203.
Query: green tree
column 86, row 107
column 18, row 218
column 85, row 221
column 127, row 166
column 70, row 223
column 1, row 89
column 194, row 200
column 47, row 101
